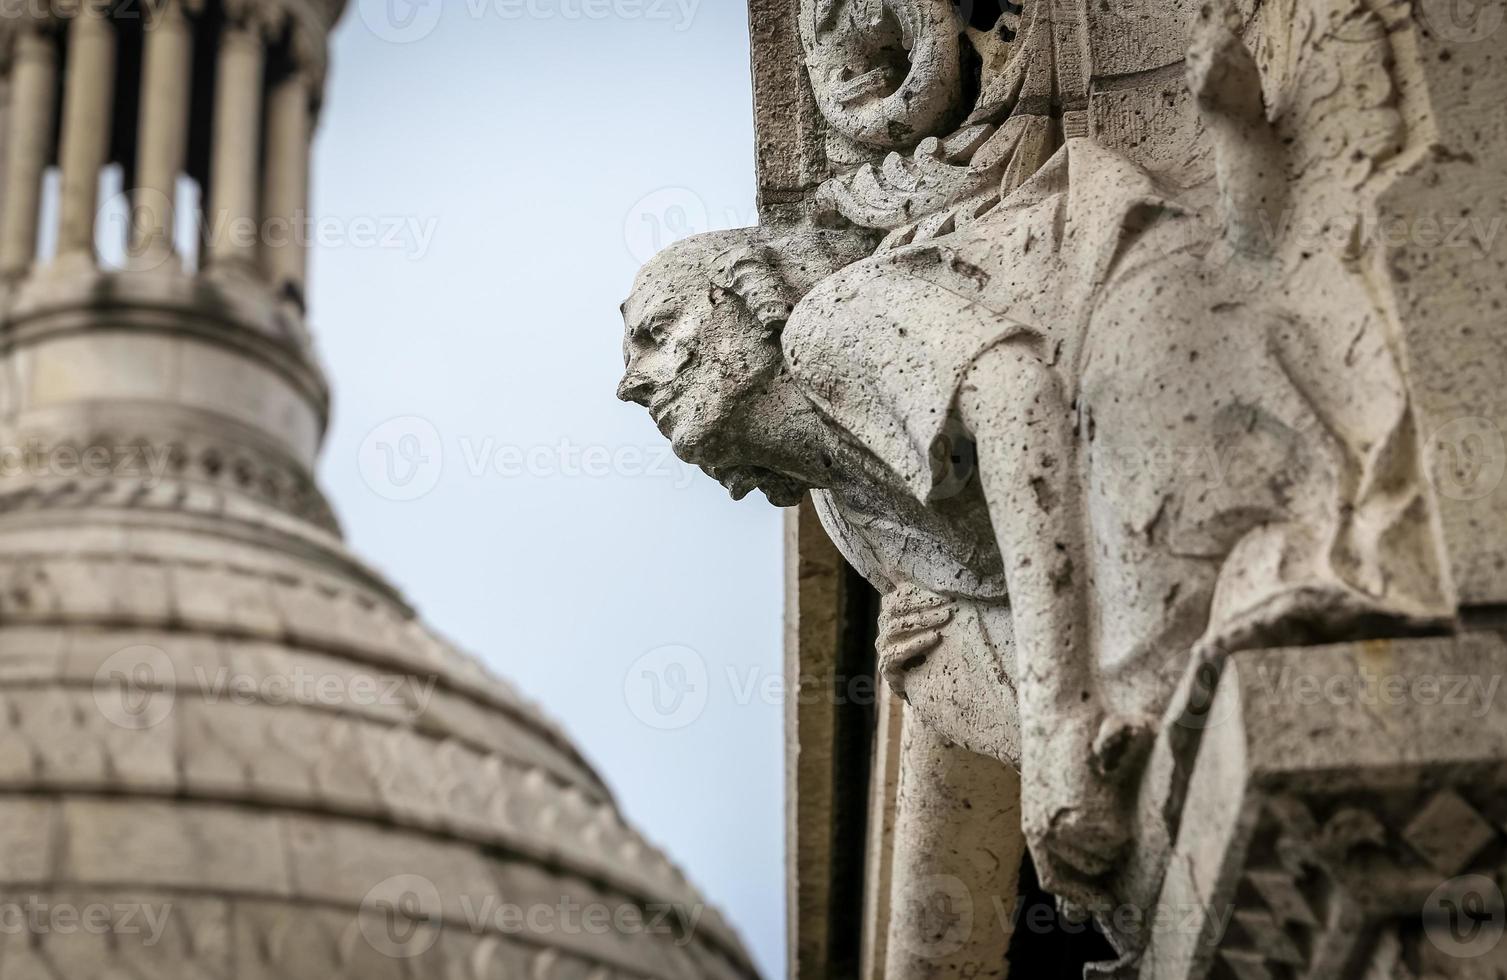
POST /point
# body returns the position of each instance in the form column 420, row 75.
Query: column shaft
column 34, row 77
column 232, row 217
column 86, row 127
column 285, row 198
column 163, row 136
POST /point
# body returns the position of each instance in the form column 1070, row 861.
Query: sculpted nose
column 634, row 388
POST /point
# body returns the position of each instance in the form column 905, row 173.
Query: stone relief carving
column 885, row 72
column 1087, row 427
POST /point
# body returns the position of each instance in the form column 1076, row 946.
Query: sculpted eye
column 656, row 329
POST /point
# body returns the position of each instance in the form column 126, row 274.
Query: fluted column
column 86, row 127
column 34, row 76
column 162, row 141
column 285, row 195
column 237, row 135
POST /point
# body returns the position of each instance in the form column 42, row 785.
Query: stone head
column 702, row 337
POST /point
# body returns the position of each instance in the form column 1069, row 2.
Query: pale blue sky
column 495, row 171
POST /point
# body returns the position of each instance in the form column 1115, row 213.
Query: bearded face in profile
column 702, row 349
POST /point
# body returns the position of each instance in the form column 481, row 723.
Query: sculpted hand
column 1076, row 802
column 912, row 625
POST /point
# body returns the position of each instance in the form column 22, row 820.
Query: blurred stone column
column 285, row 197
column 884, row 794
column 34, row 76
column 87, row 106
column 234, row 172
column 163, row 138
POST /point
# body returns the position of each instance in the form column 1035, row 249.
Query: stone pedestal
column 1346, row 819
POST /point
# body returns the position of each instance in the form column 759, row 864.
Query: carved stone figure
column 1086, row 426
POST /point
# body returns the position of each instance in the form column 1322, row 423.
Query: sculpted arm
column 1022, row 421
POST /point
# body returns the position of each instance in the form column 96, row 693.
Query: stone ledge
column 1336, row 792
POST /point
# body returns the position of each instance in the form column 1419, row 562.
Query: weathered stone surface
column 1336, row 790
column 1136, row 330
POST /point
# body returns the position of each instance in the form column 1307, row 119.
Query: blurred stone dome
column 230, row 748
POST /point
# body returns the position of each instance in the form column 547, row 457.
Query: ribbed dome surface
column 228, row 749
column 273, row 747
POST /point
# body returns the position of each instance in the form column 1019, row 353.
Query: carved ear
column 750, row 274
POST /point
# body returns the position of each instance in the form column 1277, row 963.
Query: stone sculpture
column 1091, row 422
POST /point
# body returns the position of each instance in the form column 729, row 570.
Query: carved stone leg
column 1346, row 819
column 958, row 847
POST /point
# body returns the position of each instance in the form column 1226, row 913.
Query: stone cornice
column 194, row 306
